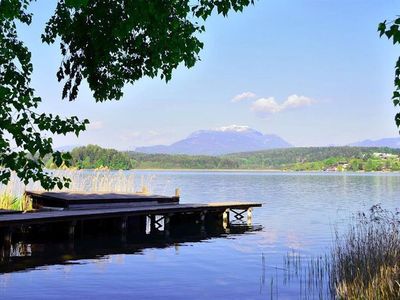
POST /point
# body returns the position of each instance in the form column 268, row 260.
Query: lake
column 298, row 220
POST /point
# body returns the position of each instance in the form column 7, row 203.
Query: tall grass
column 363, row 263
column 366, row 260
column 83, row 181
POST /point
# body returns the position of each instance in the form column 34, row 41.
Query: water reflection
column 31, row 253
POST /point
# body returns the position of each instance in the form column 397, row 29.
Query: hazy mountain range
column 234, row 139
column 229, row 139
column 385, row 142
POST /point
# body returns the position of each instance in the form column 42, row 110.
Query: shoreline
column 237, row 170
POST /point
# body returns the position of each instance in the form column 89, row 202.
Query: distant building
column 384, row 155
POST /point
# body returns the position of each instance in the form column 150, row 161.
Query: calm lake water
column 299, row 217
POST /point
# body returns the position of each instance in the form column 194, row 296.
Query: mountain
column 229, row 139
column 386, row 142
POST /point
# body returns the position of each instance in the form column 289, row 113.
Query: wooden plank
column 68, row 199
column 9, row 211
column 68, row 215
column 70, row 196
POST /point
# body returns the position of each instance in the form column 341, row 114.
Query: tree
column 109, row 43
column 391, row 30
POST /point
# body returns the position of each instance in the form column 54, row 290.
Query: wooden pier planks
column 79, row 200
column 7, row 220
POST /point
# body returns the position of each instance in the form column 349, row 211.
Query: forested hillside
column 311, row 158
column 297, row 159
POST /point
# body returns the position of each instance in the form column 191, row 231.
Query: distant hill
column 282, row 158
column 385, row 142
column 220, row 141
column 296, row 159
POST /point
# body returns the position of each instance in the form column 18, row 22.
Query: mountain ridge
column 392, row 142
column 219, row 141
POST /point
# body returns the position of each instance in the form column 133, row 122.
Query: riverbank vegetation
column 291, row 159
column 82, row 181
column 363, row 263
column 366, row 260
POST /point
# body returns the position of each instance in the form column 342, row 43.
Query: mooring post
column 71, row 229
column 250, row 216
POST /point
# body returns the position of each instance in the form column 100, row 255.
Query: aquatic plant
column 366, row 260
column 84, row 181
column 363, row 263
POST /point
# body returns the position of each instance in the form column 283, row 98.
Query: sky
column 313, row 72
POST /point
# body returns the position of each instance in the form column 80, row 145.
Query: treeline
column 93, row 157
column 309, row 158
column 296, row 159
column 177, row 161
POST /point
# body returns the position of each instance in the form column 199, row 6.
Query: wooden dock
column 42, row 217
column 65, row 214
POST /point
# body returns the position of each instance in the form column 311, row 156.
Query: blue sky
column 315, row 73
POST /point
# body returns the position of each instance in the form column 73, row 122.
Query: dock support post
column 225, row 219
column 202, row 222
column 124, row 223
column 166, row 225
column 7, row 237
column 5, row 248
column 71, row 230
column 124, row 227
column 150, row 224
column 250, row 216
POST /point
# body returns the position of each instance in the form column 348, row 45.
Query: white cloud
column 243, row 96
column 267, row 106
column 95, row 125
column 295, row 101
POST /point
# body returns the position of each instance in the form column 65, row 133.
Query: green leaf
column 76, row 3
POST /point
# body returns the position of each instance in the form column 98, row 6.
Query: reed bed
column 363, row 263
column 83, row 181
column 366, row 260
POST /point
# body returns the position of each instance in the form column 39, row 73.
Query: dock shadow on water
column 28, row 252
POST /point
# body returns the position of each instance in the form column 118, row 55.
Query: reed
column 83, row 181
column 363, row 263
column 366, row 260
